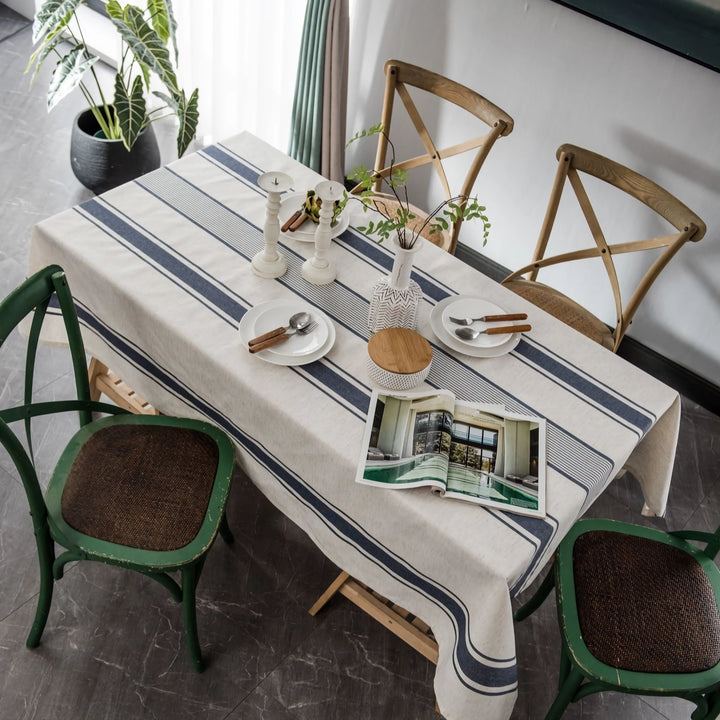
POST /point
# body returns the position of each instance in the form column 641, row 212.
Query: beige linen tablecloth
column 161, row 275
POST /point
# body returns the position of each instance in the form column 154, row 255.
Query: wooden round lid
column 400, row 350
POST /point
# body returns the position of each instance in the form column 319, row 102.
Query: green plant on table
column 147, row 35
column 398, row 215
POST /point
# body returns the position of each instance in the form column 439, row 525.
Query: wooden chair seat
column 565, row 309
column 389, row 206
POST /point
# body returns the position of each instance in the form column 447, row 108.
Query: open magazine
column 463, row 450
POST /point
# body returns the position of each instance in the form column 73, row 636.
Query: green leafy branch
column 397, row 216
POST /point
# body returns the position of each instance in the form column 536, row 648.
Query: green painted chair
column 638, row 613
column 144, row 492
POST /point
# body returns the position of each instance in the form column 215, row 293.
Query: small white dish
column 306, row 232
column 297, row 350
column 440, row 327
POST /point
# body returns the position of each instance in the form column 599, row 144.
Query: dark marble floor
column 113, row 647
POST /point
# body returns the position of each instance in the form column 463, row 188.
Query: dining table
column 161, row 272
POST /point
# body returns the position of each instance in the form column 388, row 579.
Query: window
column 474, row 446
column 432, row 432
column 377, row 421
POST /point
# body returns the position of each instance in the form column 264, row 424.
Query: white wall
column 24, row 7
column 564, row 77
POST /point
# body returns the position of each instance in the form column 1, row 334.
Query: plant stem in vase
column 395, row 298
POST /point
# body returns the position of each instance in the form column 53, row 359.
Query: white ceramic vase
column 395, row 298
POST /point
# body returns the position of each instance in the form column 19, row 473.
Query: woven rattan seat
column 638, row 613
column 143, row 487
column 565, row 309
column 389, row 206
column 643, row 605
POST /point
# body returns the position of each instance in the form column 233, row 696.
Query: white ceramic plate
column 306, row 232
column 441, row 327
column 299, row 349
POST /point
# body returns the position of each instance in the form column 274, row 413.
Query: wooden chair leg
column 104, row 381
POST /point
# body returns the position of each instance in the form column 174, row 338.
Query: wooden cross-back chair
column 572, row 161
column 144, row 492
column 401, row 75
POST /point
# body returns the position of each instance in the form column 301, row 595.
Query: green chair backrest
column 31, row 300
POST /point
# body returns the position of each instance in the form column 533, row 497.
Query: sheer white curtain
column 243, row 56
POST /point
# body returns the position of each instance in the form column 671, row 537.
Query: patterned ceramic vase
column 395, row 298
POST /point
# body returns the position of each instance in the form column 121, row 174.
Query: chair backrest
column 31, row 300
column 573, row 160
column 398, row 77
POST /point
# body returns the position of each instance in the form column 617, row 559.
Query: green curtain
column 307, row 113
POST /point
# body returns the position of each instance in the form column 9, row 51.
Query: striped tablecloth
column 160, row 269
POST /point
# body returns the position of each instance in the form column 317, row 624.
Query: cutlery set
column 309, row 210
column 300, row 323
column 489, row 318
column 469, row 333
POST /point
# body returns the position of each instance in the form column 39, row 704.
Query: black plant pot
column 101, row 164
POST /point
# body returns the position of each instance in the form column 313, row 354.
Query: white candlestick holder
column 268, row 263
column 318, row 270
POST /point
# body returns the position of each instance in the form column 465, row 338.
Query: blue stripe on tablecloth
column 213, row 294
column 480, row 673
column 178, row 268
column 544, row 529
column 222, row 156
column 580, row 384
column 225, row 150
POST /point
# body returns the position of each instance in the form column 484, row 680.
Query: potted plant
column 394, row 300
column 115, row 131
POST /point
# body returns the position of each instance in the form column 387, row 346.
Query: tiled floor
column 113, row 647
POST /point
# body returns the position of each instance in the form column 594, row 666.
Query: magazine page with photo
column 461, row 450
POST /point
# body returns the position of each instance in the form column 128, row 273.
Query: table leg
column 104, row 381
column 407, row 627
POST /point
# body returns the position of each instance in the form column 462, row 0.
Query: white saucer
column 444, row 329
column 306, row 232
column 297, row 350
